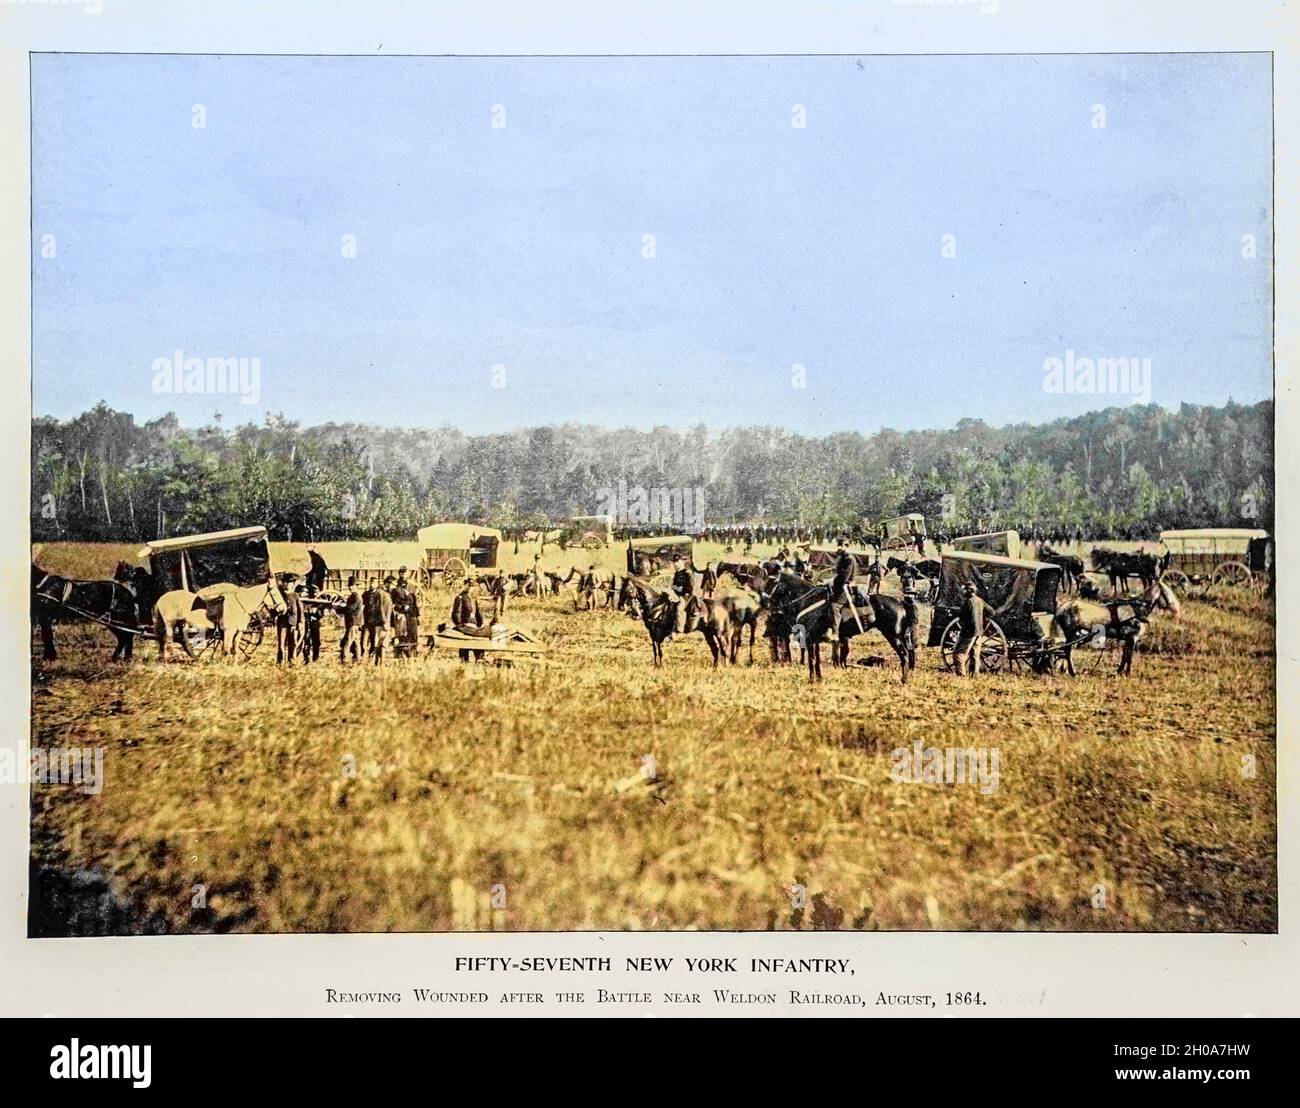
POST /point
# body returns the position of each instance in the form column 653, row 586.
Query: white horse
column 225, row 608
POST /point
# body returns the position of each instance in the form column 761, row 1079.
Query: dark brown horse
column 809, row 614
column 117, row 605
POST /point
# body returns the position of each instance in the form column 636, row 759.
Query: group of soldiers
column 372, row 618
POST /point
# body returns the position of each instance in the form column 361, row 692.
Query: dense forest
column 1134, row 469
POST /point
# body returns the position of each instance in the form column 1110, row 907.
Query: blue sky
column 522, row 246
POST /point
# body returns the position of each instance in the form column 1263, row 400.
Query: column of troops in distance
column 993, row 605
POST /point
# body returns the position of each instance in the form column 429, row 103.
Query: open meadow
column 587, row 790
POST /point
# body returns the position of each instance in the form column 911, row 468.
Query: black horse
column 1072, row 567
column 807, row 615
column 120, row 605
column 891, row 617
column 1119, row 567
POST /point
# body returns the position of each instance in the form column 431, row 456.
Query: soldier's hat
column 388, row 579
column 352, row 580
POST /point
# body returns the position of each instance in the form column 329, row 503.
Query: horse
column 225, row 608
column 660, row 613
column 777, row 594
column 711, row 617
column 1121, row 620
column 927, row 569
column 742, row 606
column 885, row 614
column 1072, row 567
column 1120, row 567
column 115, row 604
column 814, row 618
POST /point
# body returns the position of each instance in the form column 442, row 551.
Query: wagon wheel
column 250, row 638
column 991, row 647
column 453, row 573
column 591, row 542
column 1177, row 580
column 1231, row 573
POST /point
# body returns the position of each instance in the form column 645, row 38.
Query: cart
column 654, row 555
column 451, row 550
column 1020, row 631
column 1005, row 543
column 202, row 563
column 903, row 532
column 1216, row 556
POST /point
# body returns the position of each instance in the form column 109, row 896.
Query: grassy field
column 433, row 795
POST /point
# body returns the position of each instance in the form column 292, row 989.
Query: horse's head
column 274, row 598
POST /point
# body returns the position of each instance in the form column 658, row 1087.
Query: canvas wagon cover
column 239, row 557
column 343, row 557
column 453, row 536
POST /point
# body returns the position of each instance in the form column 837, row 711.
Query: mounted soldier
column 846, row 569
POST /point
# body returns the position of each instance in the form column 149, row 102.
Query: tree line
column 1132, row 470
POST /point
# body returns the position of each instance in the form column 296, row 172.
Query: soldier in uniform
column 913, row 615
column 586, row 598
column 353, row 621
column 875, row 575
column 311, row 614
column 846, row 569
column 683, row 579
column 406, row 615
column 369, row 618
column 466, row 615
column 288, row 624
column 971, row 627
column 382, row 613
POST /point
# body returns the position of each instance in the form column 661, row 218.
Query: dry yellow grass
column 529, row 781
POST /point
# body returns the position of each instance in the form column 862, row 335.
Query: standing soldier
column 369, row 617
column 909, row 629
column 537, row 576
column 353, row 621
column 466, row 615
column 382, row 615
column 311, row 627
column 405, row 634
column 586, row 598
column 876, row 575
column 287, row 625
column 971, row 627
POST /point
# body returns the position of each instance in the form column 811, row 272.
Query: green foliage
column 101, row 476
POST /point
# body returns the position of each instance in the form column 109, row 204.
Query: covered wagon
column 451, row 550
column 1003, row 543
column 1216, row 556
